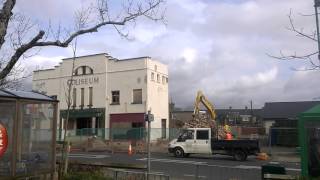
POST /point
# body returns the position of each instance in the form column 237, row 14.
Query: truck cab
column 191, row 141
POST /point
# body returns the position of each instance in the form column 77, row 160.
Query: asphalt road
column 207, row 167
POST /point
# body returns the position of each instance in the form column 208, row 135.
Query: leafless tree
column 312, row 57
column 23, row 37
column 69, row 100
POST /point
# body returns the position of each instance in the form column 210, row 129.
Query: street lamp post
column 316, row 5
column 149, row 118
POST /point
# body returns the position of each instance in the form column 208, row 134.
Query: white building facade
column 108, row 93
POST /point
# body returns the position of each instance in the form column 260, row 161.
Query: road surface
column 206, row 167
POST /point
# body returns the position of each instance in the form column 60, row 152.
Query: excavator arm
column 202, row 99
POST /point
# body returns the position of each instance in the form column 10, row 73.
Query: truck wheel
column 178, row 152
column 240, row 155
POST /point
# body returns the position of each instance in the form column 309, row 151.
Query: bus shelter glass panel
column 313, row 146
column 7, row 117
column 34, row 153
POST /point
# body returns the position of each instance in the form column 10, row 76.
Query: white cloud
column 189, row 54
column 259, row 78
column 41, row 62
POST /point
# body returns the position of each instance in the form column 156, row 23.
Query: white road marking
column 247, row 167
column 192, row 175
column 172, row 161
column 89, row 156
column 211, row 165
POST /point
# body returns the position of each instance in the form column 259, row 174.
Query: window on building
column 152, row 76
column 167, row 80
column 82, row 98
column 84, row 70
column 74, row 97
column 115, row 97
column 137, row 124
column 158, row 78
column 155, row 67
column 90, row 96
column 163, row 80
column 137, row 96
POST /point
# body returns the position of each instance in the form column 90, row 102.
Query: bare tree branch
column 299, row 32
column 293, row 56
column 132, row 13
column 5, row 15
column 308, row 57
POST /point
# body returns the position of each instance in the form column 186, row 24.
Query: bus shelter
column 28, row 123
column 309, row 140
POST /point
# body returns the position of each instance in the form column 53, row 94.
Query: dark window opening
column 90, row 96
column 163, row 128
column 115, row 97
column 74, row 98
column 84, row 70
column 82, row 98
column 137, row 96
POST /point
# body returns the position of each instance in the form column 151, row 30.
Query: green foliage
column 86, row 176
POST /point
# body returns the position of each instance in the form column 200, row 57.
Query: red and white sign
column 3, row 140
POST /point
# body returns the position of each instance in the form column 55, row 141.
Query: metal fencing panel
column 137, row 175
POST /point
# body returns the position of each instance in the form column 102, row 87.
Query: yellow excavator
column 200, row 98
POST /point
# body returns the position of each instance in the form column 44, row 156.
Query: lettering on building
column 84, row 81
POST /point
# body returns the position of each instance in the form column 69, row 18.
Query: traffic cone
column 263, row 156
column 130, row 149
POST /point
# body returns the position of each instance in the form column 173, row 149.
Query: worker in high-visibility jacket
column 228, row 136
column 227, row 131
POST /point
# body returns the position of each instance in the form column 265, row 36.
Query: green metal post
column 303, row 146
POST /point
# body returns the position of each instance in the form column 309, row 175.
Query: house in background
column 281, row 118
column 235, row 117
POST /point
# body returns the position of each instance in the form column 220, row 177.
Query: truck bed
column 251, row 147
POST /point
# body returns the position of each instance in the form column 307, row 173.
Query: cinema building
column 107, row 92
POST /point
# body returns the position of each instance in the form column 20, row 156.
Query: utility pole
column 251, row 111
column 149, row 154
column 149, row 117
column 316, row 5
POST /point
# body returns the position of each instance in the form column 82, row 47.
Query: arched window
column 83, row 70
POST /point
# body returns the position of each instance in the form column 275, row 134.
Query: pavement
column 204, row 166
column 283, row 154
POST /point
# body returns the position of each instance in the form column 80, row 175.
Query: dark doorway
column 163, row 128
column 84, row 126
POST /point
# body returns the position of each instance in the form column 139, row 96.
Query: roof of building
column 255, row 112
column 31, row 95
column 106, row 54
column 135, row 58
column 286, row 110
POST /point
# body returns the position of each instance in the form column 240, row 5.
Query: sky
column 218, row 46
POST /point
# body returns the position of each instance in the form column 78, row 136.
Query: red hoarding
column 3, row 140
